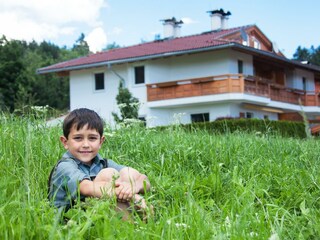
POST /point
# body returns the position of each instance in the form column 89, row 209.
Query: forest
column 21, row 87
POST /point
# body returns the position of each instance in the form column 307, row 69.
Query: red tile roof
column 147, row 50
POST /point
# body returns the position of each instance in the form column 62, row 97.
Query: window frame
column 138, row 75
column 249, row 115
column 304, row 84
column 240, row 66
column 205, row 117
column 256, row 43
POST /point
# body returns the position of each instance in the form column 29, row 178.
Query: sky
column 288, row 23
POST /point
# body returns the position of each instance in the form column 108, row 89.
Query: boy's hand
column 139, row 202
column 124, row 191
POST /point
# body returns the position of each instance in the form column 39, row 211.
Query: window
column 201, row 117
column 304, row 84
column 240, row 66
column 143, row 119
column 139, row 75
column 266, row 117
column 249, row 115
column 256, row 44
column 99, row 81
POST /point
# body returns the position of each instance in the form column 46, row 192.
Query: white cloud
column 58, row 11
column 27, row 29
column 116, row 31
column 47, row 19
column 97, row 39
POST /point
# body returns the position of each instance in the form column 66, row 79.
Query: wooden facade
column 231, row 83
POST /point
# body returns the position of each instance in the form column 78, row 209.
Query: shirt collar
column 96, row 160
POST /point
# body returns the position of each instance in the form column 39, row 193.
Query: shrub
column 258, row 126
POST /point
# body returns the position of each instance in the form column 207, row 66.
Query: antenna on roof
column 244, row 37
column 275, row 47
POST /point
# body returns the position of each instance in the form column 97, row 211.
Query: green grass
column 204, row 186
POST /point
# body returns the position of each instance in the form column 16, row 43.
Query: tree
column 315, row 57
column 48, row 89
column 81, row 46
column 128, row 105
column 112, row 46
column 11, row 67
column 20, row 86
column 302, row 54
column 312, row 55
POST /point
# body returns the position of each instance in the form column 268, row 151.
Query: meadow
column 204, row 185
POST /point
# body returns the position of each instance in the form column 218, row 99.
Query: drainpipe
column 122, row 81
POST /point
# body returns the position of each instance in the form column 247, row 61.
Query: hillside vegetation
column 204, row 186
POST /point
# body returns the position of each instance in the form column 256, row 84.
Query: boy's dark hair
column 78, row 118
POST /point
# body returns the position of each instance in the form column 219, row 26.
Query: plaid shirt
column 69, row 172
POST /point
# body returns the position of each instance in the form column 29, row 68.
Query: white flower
column 40, row 108
column 274, row 236
column 135, row 104
column 227, row 222
column 109, row 134
column 178, row 225
column 253, row 234
column 177, row 117
column 131, row 120
column 122, row 105
column 183, row 225
column 221, row 164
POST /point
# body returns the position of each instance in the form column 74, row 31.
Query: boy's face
column 83, row 144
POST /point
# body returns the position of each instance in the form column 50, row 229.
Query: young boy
column 82, row 170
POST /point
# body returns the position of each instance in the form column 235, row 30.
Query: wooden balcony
column 230, row 83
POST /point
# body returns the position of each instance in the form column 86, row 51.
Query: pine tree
column 128, row 105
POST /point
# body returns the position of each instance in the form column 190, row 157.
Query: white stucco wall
column 220, row 62
column 157, row 70
column 166, row 116
column 245, row 58
column 83, row 94
column 298, row 74
column 237, row 108
column 187, row 66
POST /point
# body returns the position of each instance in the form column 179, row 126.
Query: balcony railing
column 230, row 83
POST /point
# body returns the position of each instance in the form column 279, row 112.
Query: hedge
column 257, row 126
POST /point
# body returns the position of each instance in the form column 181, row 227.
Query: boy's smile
column 83, row 144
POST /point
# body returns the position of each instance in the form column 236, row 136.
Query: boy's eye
column 77, row 138
column 93, row 138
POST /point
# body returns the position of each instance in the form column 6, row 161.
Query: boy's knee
column 107, row 175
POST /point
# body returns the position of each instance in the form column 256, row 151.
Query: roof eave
column 168, row 54
column 274, row 56
column 135, row 59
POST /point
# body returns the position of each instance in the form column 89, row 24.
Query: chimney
column 171, row 28
column 219, row 19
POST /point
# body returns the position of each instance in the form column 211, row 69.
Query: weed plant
column 204, row 186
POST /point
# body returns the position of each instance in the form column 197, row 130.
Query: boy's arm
column 130, row 183
column 126, row 187
column 138, row 181
column 96, row 189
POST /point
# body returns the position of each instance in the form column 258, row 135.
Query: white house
column 225, row 72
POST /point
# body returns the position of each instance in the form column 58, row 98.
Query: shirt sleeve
column 68, row 176
column 113, row 164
